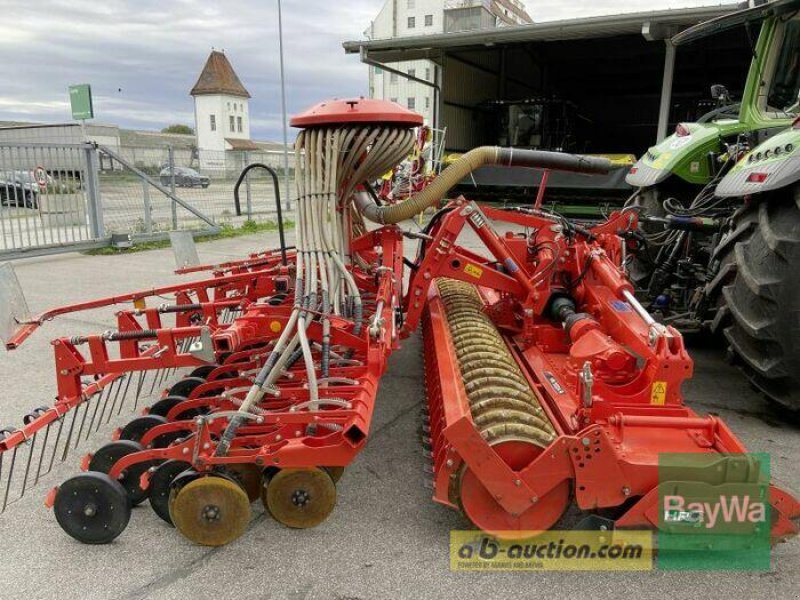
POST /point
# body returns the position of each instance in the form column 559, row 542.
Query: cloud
column 142, row 57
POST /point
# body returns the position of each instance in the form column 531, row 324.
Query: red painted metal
column 356, row 110
column 608, row 447
column 608, row 433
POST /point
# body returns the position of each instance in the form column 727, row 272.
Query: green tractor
column 719, row 201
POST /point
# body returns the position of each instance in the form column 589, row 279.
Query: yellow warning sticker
column 658, row 393
column 139, row 303
column 473, row 270
column 275, row 326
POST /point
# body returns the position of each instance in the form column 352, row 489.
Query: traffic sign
column 41, row 177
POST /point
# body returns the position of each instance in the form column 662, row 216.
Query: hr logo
column 730, row 509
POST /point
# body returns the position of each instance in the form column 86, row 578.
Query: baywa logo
column 727, row 509
column 714, row 512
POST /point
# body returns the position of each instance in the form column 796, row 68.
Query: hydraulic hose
column 469, row 162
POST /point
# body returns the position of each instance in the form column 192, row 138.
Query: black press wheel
column 166, row 404
column 106, row 456
column 161, row 484
column 136, row 428
column 184, row 387
column 92, row 508
column 203, row 372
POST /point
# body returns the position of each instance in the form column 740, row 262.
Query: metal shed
column 625, row 79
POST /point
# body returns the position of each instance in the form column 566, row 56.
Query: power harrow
column 547, row 382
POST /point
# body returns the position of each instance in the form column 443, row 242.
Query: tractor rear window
column 786, row 83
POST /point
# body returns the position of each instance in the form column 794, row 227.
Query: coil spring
column 117, row 336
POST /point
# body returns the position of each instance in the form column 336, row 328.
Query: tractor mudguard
column 772, row 165
column 683, row 154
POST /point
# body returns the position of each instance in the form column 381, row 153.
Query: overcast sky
column 143, row 56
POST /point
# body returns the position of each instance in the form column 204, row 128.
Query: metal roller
column 502, row 404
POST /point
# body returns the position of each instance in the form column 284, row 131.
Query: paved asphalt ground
column 386, row 539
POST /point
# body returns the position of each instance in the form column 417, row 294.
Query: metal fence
column 131, row 205
column 48, row 196
column 59, row 197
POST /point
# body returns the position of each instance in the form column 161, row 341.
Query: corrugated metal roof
column 218, row 77
column 587, row 27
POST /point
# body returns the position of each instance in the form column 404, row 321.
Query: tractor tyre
column 641, row 266
column 761, row 293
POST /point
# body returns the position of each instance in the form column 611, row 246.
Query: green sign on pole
column 80, row 99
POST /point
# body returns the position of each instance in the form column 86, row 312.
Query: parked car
column 185, row 177
column 19, row 189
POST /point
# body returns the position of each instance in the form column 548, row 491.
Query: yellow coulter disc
column 300, row 498
column 211, row 511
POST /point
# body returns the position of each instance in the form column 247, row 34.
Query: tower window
column 213, row 122
column 412, row 102
column 239, row 124
column 231, row 121
column 428, row 20
column 392, row 77
column 412, row 22
column 412, row 72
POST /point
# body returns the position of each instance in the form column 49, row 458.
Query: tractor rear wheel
column 762, row 296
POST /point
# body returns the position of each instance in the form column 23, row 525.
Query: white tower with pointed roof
column 221, row 108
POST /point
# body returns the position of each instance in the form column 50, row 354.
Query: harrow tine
column 85, row 404
column 69, row 435
column 127, row 377
column 55, row 444
column 162, row 376
column 139, row 385
column 158, row 377
column 104, row 403
column 31, row 450
column 154, row 376
column 10, row 476
column 41, row 454
column 113, row 404
column 116, row 386
column 91, row 423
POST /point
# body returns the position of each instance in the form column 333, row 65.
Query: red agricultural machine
column 547, row 382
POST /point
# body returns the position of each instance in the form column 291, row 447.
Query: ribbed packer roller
column 547, row 382
column 503, row 407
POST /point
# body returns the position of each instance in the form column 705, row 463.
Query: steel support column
column 666, row 90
